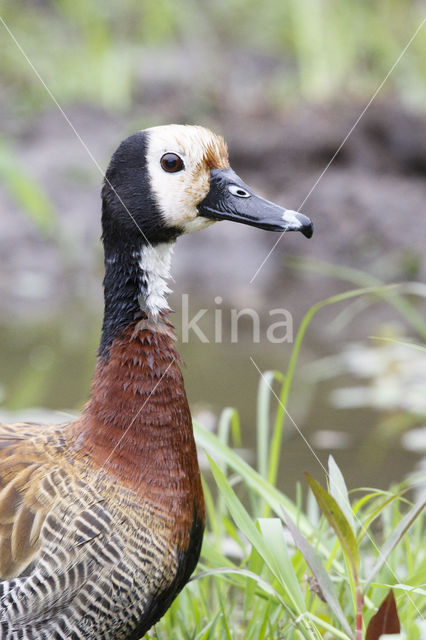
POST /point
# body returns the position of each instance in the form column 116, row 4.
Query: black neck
column 131, row 221
column 125, row 288
column 123, row 284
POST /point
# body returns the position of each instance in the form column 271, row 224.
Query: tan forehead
column 199, row 144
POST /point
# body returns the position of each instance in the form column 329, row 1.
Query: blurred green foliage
column 25, row 191
column 95, row 51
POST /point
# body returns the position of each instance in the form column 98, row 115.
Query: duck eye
column 171, row 163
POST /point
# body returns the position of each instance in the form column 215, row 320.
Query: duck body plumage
column 101, row 518
column 97, row 542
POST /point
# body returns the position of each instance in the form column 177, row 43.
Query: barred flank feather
column 96, row 543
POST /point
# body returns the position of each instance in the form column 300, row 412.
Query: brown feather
column 138, row 400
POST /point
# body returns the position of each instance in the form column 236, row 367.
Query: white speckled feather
column 155, row 264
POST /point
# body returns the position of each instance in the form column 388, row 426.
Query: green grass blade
column 362, row 278
column 264, row 585
column 283, row 400
column 411, row 345
column 273, row 534
column 319, row 572
column 229, row 423
column 337, row 520
column 322, row 623
column 375, row 513
column 394, row 539
column 263, row 418
column 248, row 528
column 210, row 442
column 339, row 491
column 255, row 565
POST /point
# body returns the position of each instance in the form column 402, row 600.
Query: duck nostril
column 238, row 191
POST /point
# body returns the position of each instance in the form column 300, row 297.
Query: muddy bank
column 368, row 207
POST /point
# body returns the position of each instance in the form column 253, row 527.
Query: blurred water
column 49, row 365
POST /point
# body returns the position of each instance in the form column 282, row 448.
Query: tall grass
column 272, row 568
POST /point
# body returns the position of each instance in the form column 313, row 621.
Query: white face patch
column 178, row 194
column 155, row 264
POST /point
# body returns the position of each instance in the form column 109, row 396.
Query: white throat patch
column 155, row 264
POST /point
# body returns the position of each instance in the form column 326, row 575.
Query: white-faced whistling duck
column 101, row 518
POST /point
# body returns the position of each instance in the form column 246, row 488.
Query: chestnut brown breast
column 137, row 426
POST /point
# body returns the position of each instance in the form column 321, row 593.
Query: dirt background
column 368, row 208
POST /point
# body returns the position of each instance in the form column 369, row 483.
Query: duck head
column 174, row 179
column 161, row 183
